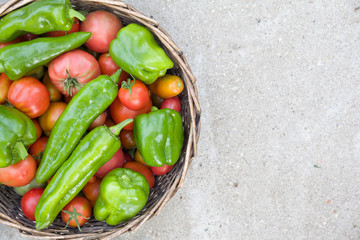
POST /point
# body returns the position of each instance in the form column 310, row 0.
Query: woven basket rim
column 123, row 9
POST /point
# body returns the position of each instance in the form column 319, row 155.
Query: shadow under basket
column 166, row 186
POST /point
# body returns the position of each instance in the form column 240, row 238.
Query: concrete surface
column 279, row 149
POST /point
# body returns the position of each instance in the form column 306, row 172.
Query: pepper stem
column 117, row 128
column 73, row 14
column 116, row 76
column 153, row 109
column 21, row 150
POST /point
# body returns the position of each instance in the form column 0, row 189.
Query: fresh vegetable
column 161, row 170
column 83, row 108
column 123, row 193
column 55, row 95
column 24, row 189
column 143, row 170
column 156, row 100
column 77, row 212
column 159, row 136
column 103, row 26
column 37, row 148
column 5, row 83
column 17, row 40
column 38, row 17
column 70, row 71
column 134, row 95
column 167, row 86
column 99, row 121
column 137, row 53
column 91, row 190
column 127, row 139
column 37, row 73
column 29, row 201
column 119, row 112
column 138, row 158
column 38, row 128
column 19, row 174
column 52, row 114
column 127, row 158
column 116, row 161
column 95, row 149
column 172, row 103
column 17, row 132
column 30, row 96
column 18, row 59
column 107, row 65
column 75, row 28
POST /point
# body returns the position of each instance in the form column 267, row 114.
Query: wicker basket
column 166, row 186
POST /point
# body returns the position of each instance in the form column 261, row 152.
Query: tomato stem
column 70, row 83
column 73, row 13
column 128, row 85
column 74, row 215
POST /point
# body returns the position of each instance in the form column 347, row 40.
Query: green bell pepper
column 17, row 132
column 159, row 136
column 38, row 17
column 137, row 53
column 18, row 59
column 123, row 193
column 84, row 107
column 94, row 150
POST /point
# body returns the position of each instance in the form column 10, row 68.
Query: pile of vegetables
column 88, row 115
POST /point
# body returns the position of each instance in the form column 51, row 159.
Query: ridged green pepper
column 38, row 17
column 94, row 150
column 84, row 107
column 18, row 59
column 123, row 193
column 159, row 136
column 137, row 53
column 17, row 132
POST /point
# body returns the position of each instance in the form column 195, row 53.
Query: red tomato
column 172, row 103
column 17, row 40
column 30, row 96
column 79, row 208
column 117, row 161
column 49, row 118
column 134, row 94
column 38, row 128
column 37, row 148
column 127, row 158
column 92, row 179
column 99, row 121
column 92, row 190
column 55, row 95
column 109, row 122
column 104, row 27
column 19, row 174
column 120, row 113
column 127, row 139
column 29, row 37
column 29, row 202
column 5, row 83
column 138, row 167
column 75, row 28
column 161, row 170
column 107, row 65
column 71, row 70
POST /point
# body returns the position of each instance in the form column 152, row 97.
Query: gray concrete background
column 278, row 156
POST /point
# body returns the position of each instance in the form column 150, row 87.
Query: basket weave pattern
column 166, row 186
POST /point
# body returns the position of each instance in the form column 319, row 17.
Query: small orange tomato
column 167, row 86
column 55, row 95
column 138, row 158
column 91, row 190
column 49, row 118
column 5, row 83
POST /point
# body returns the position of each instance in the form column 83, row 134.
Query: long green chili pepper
column 94, row 150
column 18, row 59
column 83, row 108
column 38, row 17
